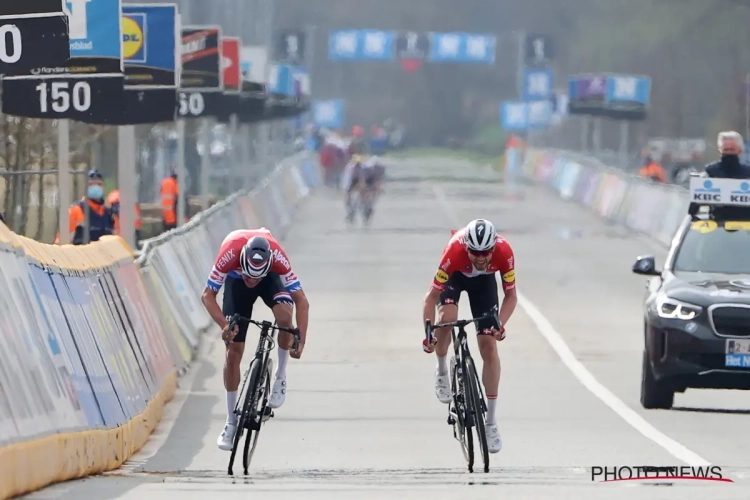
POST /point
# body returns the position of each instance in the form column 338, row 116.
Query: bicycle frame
column 266, row 343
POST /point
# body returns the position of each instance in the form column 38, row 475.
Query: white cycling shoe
column 494, row 442
column 226, row 439
column 278, row 394
column 443, row 388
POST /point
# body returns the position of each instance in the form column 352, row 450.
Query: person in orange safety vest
column 113, row 201
column 653, row 170
column 169, row 195
column 101, row 218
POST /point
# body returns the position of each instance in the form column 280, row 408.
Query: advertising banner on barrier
column 652, row 209
column 79, row 376
column 90, row 340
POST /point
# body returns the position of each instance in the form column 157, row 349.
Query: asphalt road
column 361, row 417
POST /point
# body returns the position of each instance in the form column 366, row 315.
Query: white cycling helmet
column 480, row 235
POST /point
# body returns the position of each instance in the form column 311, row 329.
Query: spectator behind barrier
column 730, row 146
column 653, row 170
column 378, row 141
column 101, row 219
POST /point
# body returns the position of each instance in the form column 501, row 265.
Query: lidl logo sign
column 134, row 38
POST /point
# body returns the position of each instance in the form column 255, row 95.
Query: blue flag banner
column 462, row 48
column 95, row 36
column 361, row 45
column 149, row 39
column 280, row 80
column 328, row 113
column 537, row 84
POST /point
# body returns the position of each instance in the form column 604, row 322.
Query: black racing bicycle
column 468, row 408
column 252, row 407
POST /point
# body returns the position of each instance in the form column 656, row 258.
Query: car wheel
column 655, row 394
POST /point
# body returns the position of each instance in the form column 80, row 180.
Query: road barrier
column 653, row 209
column 92, row 338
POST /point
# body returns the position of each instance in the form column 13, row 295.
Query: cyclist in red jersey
column 252, row 264
column 469, row 263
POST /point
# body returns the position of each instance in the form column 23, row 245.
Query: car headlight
column 669, row 308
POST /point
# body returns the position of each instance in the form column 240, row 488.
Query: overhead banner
column 587, row 94
column 150, row 45
column 34, row 37
column 89, row 87
column 620, row 97
column 201, row 59
column 412, row 49
column 150, row 34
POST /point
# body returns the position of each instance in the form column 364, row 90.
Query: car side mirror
column 646, row 266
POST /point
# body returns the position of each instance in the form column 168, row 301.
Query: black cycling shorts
column 239, row 299
column 482, row 292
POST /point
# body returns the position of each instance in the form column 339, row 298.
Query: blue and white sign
column 361, row 45
column 462, row 47
column 720, row 191
column 95, row 31
column 526, row 115
column 537, row 84
column 149, row 44
column 300, row 81
column 280, row 80
column 513, row 115
column 328, row 113
column 628, row 88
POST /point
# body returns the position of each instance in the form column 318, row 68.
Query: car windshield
column 715, row 248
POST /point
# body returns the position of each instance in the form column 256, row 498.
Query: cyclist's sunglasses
column 480, row 253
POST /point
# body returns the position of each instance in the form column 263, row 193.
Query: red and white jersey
column 455, row 259
column 228, row 261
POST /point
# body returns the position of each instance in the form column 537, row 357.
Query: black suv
column 697, row 310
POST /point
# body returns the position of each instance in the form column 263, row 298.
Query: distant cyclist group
column 251, row 264
column 353, row 166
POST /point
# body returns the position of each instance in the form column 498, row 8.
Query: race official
column 101, row 219
column 730, row 146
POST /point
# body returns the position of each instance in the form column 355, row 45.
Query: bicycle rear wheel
column 476, row 407
column 461, row 428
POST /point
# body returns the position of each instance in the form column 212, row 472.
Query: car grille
column 731, row 321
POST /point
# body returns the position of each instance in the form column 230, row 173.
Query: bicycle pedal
column 451, row 419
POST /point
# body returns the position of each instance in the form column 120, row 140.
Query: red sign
column 230, row 63
column 411, row 65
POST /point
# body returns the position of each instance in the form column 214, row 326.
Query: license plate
column 737, row 354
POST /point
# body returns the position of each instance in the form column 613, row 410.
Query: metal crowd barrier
column 650, row 208
column 93, row 338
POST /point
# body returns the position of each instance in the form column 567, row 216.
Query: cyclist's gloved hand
column 428, row 347
column 229, row 332
column 499, row 331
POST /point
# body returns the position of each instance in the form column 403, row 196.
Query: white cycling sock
column 442, row 365
column 491, row 407
column 231, row 402
column 283, row 359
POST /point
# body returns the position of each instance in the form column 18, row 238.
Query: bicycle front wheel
column 251, row 410
column 462, row 425
column 476, row 407
column 244, row 417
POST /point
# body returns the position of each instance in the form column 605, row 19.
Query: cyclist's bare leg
column 232, row 362
column 232, row 366
column 447, row 313
column 491, row 364
column 283, row 315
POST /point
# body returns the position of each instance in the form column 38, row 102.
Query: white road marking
column 584, row 376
